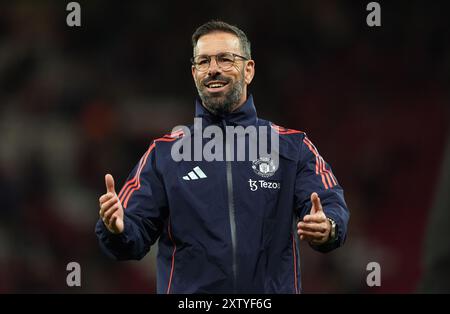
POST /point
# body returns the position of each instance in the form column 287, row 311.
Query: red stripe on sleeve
column 294, row 253
column 325, row 174
column 169, row 229
column 137, row 184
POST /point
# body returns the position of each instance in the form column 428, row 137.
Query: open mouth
column 216, row 86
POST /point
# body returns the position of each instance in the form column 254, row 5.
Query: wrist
column 332, row 236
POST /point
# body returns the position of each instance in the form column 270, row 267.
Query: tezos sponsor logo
column 263, row 184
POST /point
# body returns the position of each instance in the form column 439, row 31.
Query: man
column 225, row 226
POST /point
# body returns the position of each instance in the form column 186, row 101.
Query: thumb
column 109, row 181
column 316, row 205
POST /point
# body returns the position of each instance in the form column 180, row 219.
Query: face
column 217, row 98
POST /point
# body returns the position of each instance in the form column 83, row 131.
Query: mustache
column 216, row 77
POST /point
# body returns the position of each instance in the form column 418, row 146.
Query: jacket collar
column 245, row 115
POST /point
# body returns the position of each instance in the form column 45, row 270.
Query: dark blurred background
column 78, row 102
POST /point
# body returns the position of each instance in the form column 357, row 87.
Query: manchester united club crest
column 264, row 166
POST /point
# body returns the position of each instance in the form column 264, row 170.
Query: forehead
column 216, row 42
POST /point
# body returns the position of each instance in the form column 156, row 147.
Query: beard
column 221, row 103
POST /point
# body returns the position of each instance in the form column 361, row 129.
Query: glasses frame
column 195, row 64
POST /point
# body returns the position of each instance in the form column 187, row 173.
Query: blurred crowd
column 79, row 102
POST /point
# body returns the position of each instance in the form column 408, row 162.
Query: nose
column 213, row 67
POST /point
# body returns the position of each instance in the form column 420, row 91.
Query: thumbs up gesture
column 111, row 210
column 315, row 227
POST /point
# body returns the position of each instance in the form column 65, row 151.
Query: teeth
column 216, row 85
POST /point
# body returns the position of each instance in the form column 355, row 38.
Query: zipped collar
column 244, row 116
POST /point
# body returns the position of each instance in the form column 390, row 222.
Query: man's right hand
column 111, row 210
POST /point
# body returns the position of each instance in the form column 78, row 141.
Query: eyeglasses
column 224, row 61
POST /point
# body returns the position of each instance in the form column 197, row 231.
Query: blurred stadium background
column 76, row 103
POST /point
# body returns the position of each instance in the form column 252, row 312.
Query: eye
column 226, row 58
column 202, row 60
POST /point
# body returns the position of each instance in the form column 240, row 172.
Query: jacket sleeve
column 144, row 201
column 315, row 175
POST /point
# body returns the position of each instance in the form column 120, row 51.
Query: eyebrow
column 207, row 55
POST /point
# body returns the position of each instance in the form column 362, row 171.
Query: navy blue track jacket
column 225, row 226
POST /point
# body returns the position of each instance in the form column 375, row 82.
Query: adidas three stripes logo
column 195, row 174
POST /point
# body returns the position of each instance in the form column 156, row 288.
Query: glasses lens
column 225, row 60
column 201, row 63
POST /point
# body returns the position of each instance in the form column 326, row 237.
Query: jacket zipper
column 231, row 207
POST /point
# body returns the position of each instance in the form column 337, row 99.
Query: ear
column 193, row 72
column 249, row 71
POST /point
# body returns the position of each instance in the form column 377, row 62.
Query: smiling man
column 225, row 226
column 222, row 68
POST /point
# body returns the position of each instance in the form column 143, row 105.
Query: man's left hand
column 315, row 227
